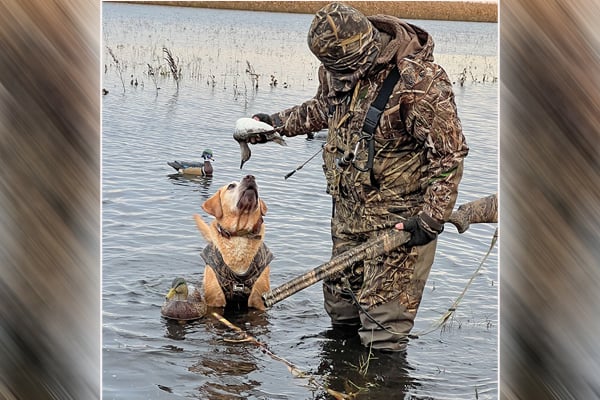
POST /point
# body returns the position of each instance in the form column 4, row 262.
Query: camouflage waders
column 389, row 288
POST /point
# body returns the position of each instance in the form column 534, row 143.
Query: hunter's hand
column 258, row 138
column 421, row 232
column 266, row 118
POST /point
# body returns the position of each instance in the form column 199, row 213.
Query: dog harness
column 237, row 287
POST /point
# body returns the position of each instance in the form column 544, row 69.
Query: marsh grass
column 253, row 75
column 462, row 70
column 173, row 66
column 457, row 323
column 230, row 65
column 352, row 389
column 152, row 75
column 437, row 10
column 118, row 65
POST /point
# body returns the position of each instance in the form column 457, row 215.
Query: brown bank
column 440, row 10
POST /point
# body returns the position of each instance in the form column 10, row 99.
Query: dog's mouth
column 249, row 194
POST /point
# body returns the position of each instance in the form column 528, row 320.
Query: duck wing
column 185, row 164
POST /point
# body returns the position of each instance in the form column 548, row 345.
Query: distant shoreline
column 470, row 11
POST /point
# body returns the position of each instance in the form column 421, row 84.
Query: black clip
column 330, row 110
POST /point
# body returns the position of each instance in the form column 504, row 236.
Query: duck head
column 178, row 291
column 207, row 154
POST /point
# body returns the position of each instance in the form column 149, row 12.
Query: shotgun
column 484, row 210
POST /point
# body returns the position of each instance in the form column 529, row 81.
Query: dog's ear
column 213, row 205
column 263, row 207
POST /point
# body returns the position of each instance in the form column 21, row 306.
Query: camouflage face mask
column 345, row 41
column 344, row 82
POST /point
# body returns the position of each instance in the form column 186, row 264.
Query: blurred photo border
column 50, row 199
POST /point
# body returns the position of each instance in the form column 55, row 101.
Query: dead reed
column 152, row 75
column 173, row 65
column 253, row 75
column 118, row 65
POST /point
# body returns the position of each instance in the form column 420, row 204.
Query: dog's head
column 237, row 206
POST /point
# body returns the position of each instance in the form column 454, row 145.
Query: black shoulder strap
column 374, row 114
column 376, row 109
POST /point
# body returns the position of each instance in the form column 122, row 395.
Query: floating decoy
column 199, row 168
column 183, row 302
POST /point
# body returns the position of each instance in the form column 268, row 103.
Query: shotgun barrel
column 484, row 210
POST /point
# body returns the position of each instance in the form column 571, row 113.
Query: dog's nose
column 249, row 177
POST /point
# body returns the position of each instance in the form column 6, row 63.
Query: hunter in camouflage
column 416, row 168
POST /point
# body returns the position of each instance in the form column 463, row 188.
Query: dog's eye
column 231, row 186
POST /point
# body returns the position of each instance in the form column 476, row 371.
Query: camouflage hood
column 342, row 38
column 405, row 40
column 346, row 42
column 349, row 44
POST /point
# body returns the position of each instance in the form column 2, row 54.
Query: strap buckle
column 239, row 287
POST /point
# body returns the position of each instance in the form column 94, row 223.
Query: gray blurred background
column 49, row 200
column 549, row 204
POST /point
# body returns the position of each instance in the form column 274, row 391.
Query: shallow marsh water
column 149, row 236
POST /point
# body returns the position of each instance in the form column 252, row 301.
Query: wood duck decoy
column 199, row 168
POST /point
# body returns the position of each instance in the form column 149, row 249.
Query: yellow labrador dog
column 237, row 260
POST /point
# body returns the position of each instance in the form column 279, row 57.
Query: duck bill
column 171, row 293
column 245, row 153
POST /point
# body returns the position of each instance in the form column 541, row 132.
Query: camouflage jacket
column 419, row 144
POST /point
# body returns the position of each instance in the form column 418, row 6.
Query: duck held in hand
column 250, row 130
column 198, row 168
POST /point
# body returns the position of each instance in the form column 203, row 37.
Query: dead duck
column 198, row 168
column 183, row 302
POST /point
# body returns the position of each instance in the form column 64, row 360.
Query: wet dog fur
column 238, row 210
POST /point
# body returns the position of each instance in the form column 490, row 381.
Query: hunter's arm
column 433, row 121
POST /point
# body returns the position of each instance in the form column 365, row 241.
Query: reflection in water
column 172, row 102
column 180, row 179
column 232, row 363
column 225, row 391
column 176, row 330
column 219, row 367
column 203, row 182
column 253, row 321
column 347, row 367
